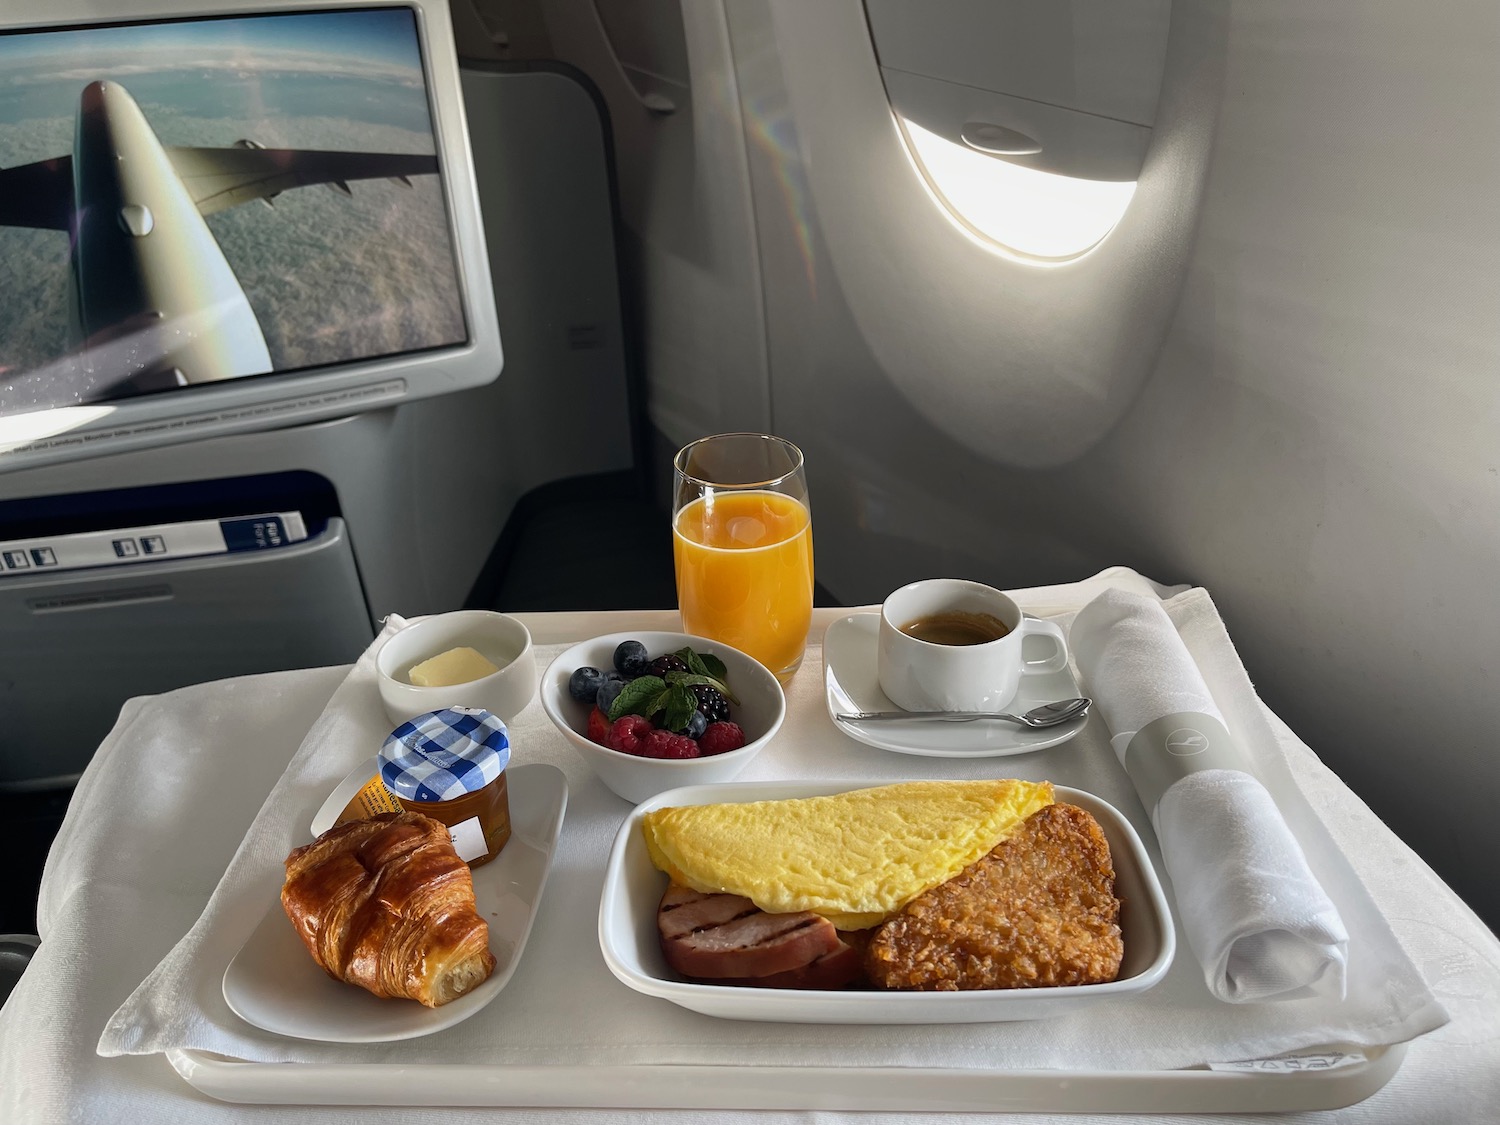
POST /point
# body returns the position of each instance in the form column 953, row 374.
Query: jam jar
column 450, row 765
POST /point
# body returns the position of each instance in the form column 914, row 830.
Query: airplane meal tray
column 1305, row 1082
column 621, row 1074
column 1309, row 1080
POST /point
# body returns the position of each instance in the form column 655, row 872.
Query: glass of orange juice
column 742, row 541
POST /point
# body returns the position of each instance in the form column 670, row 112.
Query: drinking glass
column 742, row 543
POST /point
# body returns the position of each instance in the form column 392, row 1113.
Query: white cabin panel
column 1311, row 432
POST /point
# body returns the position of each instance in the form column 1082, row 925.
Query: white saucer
column 853, row 684
column 274, row 984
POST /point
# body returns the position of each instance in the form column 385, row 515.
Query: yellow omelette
column 854, row 857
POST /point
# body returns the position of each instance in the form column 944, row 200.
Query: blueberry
column 609, row 690
column 583, row 684
column 696, row 725
column 630, row 658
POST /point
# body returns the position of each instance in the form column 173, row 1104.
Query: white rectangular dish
column 633, row 887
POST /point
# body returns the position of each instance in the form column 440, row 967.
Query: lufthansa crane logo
column 1184, row 742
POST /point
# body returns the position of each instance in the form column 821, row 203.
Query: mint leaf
column 711, row 670
column 641, row 696
column 678, row 708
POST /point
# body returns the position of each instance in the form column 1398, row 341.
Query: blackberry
column 671, row 662
column 711, row 702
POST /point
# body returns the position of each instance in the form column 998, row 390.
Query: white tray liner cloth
column 563, row 1007
column 1253, row 913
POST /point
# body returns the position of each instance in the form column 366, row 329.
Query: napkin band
column 1166, row 750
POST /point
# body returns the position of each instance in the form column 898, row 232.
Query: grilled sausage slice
column 714, row 936
column 839, row 969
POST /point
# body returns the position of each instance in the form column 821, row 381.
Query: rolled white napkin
column 1253, row 913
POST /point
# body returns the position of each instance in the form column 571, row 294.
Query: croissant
column 386, row 904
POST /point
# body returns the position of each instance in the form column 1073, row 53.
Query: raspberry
column 720, row 738
column 664, row 744
column 598, row 727
column 628, row 733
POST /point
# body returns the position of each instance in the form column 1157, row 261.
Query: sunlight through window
column 1038, row 215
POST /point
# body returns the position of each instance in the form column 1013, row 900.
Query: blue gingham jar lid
column 444, row 754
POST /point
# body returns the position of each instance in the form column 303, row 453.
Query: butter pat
column 456, row 666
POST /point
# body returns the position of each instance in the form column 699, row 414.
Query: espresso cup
column 971, row 658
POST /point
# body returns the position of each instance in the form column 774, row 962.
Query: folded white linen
column 1253, row 912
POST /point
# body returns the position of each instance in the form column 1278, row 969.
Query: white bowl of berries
column 651, row 711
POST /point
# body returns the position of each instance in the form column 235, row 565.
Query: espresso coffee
column 956, row 627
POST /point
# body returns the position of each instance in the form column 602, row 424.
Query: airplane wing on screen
column 221, row 178
column 38, row 195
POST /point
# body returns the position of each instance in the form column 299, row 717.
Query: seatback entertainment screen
column 192, row 201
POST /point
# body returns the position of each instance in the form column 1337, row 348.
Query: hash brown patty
column 1038, row 910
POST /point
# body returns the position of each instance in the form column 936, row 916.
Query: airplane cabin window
column 1029, row 121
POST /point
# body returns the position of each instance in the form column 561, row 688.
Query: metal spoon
column 1047, row 715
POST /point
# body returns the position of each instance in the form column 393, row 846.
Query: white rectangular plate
column 633, row 887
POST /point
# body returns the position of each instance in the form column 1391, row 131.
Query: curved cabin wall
column 1026, row 363
column 1311, row 436
column 1276, row 378
column 688, row 252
